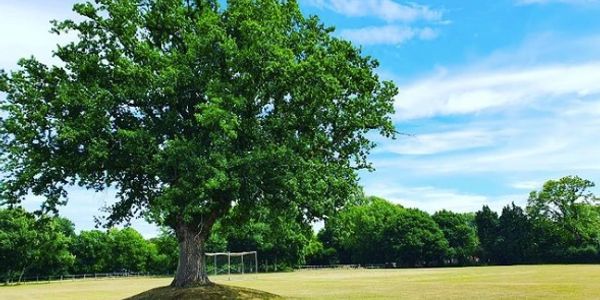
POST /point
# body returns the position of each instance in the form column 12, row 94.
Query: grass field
column 531, row 282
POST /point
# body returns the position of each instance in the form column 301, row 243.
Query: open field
column 531, row 282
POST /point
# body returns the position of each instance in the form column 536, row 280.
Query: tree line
column 560, row 223
column 39, row 246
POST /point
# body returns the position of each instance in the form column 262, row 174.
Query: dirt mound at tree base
column 212, row 291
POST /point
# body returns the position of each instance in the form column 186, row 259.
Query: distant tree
column 188, row 109
column 316, row 254
column 415, row 239
column 92, row 252
column 217, row 242
column 515, row 238
column 359, row 230
column 54, row 238
column 487, row 231
column 332, row 248
column 19, row 243
column 568, row 204
column 460, row 234
column 167, row 252
column 128, row 250
column 64, row 226
column 276, row 235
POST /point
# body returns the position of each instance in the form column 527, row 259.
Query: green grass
column 514, row 282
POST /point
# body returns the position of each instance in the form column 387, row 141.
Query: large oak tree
column 187, row 109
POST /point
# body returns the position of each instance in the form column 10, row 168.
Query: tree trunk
column 191, row 269
column 21, row 275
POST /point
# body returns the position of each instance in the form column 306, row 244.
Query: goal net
column 228, row 263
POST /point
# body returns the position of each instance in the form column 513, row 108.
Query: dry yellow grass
column 512, row 282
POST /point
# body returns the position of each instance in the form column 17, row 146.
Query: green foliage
column 92, row 252
column 191, row 109
column 416, row 239
column 487, row 231
column 129, row 250
column 370, row 230
column 460, row 234
column 33, row 244
column 276, row 235
column 357, row 232
column 561, row 224
column 568, row 206
column 187, row 109
column 376, row 231
column 314, row 252
column 55, row 236
column 514, row 236
column 18, row 242
column 167, row 252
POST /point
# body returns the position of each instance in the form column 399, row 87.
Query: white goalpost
column 241, row 266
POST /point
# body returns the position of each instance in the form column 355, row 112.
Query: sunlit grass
column 531, row 282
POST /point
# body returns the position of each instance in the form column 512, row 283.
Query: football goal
column 232, row 263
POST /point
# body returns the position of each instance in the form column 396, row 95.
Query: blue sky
column 498, row 95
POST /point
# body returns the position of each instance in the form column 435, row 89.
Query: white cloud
column 442, row 142
column 583, row 109
column 476, row 91
column 396, row 14
column 432, row 199
column 387, row 10
column 387, row 35
column 528, row 185
column 561, row 141
column 515, row 113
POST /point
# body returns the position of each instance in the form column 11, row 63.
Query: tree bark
column 191, row 269
column 21, row 275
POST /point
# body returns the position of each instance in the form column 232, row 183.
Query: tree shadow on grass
column 209, row 292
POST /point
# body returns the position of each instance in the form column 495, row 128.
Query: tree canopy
column 33, row 244
column 187, row 109
column 568, row 202
column 460, row 233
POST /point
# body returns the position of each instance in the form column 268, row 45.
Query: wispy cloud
column 572, row 2
column 471, row 92
column 388, row 35
column 405, row 21
column 432, row 199
column 387, row 10
column 566, row 144
column 516, row 113
column 528, row 185
column 442, row 142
